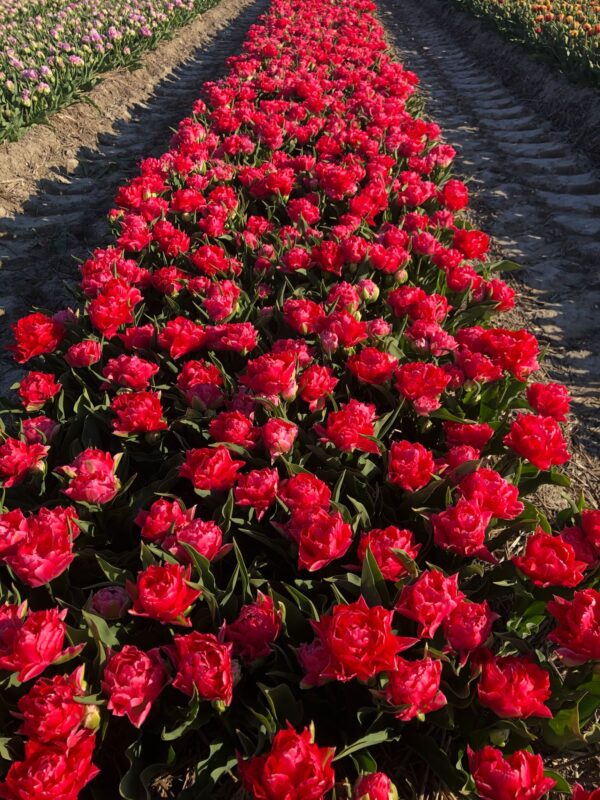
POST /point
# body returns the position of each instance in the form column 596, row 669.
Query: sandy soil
column 58, row 181
column 535, row 187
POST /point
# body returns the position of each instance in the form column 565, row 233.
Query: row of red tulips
column 268, row 507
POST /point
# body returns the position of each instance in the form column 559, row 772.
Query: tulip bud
column 369, row 291
column 111, row 602
column 379, row 327
column 219, row 706
column 289, row 394
column 329, row 342
column 279, row 436
column 376, row 786
column 92, row 718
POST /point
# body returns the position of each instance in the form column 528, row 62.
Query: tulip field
column 272, row 522
column 52, row 51
column 565, row 32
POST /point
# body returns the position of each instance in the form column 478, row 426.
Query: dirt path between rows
column 535, row 190
column 58, row 181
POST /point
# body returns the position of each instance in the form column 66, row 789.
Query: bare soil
column 528, row 140
column 57, row 182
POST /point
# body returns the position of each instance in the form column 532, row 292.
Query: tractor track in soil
column 57, row 182
column 534, row 189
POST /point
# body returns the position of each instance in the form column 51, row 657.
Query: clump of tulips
column 268, row 507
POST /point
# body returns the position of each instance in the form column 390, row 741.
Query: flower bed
column 565, row 32
column 52, row 51
column 268, row 512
